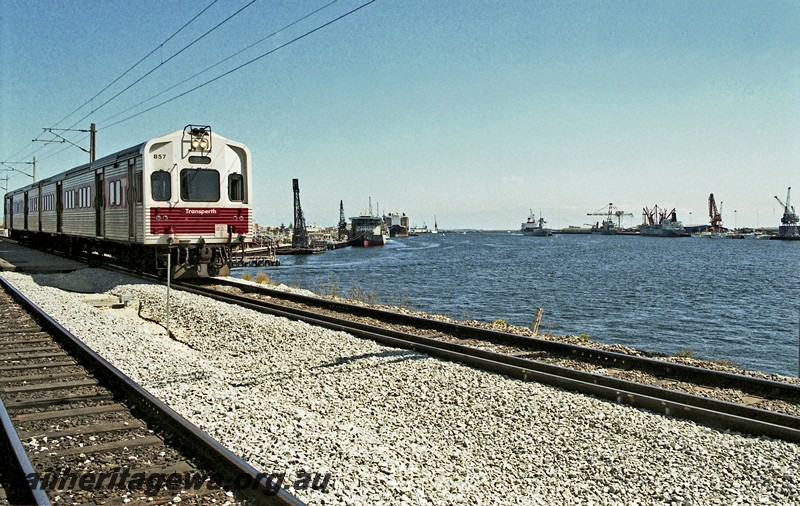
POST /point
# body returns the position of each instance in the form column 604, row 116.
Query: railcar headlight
column 200, row 144
column 199, row 137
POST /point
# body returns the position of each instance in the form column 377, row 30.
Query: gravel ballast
column 397, row 427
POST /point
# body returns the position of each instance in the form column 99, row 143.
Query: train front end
column 197, row 201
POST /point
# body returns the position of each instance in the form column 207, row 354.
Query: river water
column 737, row 300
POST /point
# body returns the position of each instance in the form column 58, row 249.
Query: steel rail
column 660, row 368
column 224, row 463
column 711, row 412
column 18, row 466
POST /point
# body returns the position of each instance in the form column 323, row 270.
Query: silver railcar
column 183, row 196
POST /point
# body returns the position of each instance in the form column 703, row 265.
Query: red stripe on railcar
column 197, row 221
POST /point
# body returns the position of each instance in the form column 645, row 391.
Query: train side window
column 235, row 188
column 161, row 185
column 115, row 193
column 137, row 187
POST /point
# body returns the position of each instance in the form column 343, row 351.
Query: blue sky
column 470, row 111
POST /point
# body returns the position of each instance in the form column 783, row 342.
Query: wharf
column 339, row 244
column 572, row 230
column 316, row 248
column 288, row 250
column 587, row 231
column 255, row 261
column 260, row 256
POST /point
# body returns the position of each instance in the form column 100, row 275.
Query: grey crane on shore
column 789, row 216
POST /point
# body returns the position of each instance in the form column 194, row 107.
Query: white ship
column 534, row 227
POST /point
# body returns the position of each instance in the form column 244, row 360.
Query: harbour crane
column 607, row 213
column 342, row 221
column 619, row 214
column 714, row 214
column 789, row 216
column 300, row 238
column 648, row 215
column 656, row 216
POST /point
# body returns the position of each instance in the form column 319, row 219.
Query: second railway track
column 721, row 414
column 90, row 435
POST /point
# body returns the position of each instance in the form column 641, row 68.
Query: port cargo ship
column 397, row 224
column 660, row 223
column 535, row 228
column 368, row 231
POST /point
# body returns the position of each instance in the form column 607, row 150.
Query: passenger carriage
column 186, row 194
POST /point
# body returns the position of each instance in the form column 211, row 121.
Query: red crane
column 714, row 214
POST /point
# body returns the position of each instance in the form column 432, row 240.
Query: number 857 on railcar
column 185, row 195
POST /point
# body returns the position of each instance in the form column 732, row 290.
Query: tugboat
column 535, row 228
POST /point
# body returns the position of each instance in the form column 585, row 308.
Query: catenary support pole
column 92, row 142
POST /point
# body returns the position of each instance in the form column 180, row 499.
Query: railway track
column 90, row 435
column 721, row 414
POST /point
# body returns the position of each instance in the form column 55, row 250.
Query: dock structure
column 342, row 223
column 300, row 239
column 256, row 261
column 264, row 254
column 291, row 250
column 789, row 228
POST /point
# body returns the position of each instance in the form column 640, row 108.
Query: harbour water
column 736, row 300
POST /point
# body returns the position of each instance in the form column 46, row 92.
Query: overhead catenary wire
column 197, row 39
column 235, row 69
column 185, row 25
column 112, row 83
column 237, row 53
column 166, row 61
column 160, row 64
